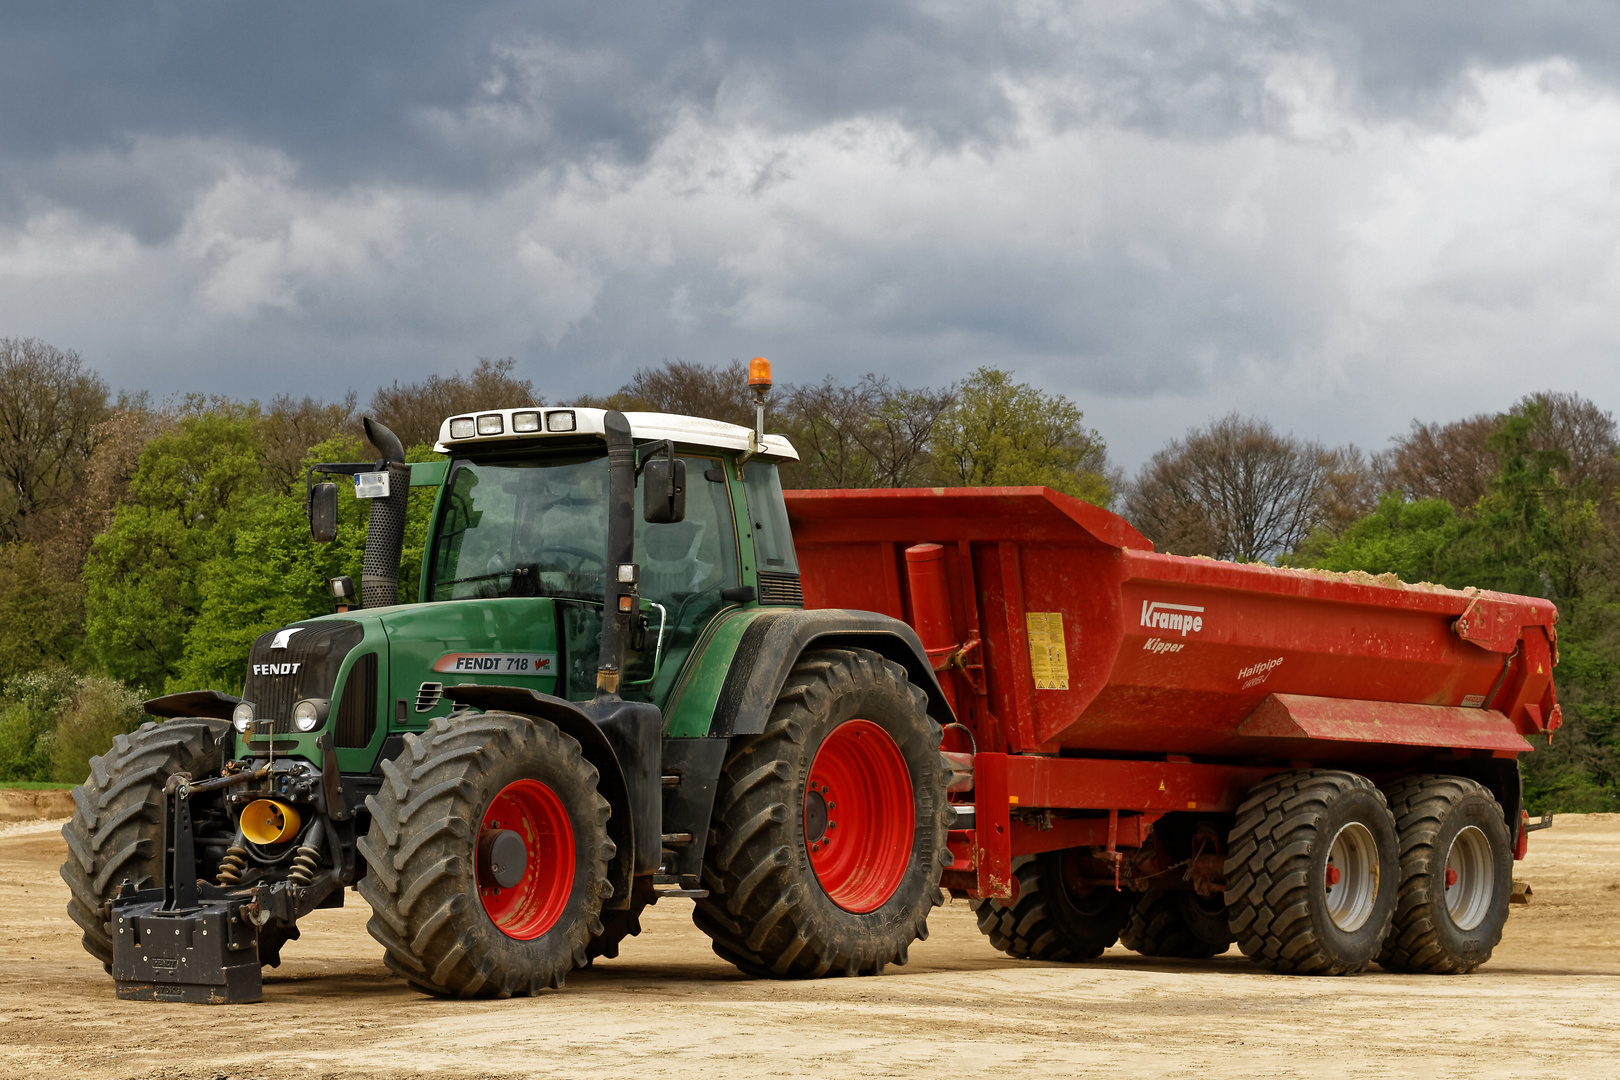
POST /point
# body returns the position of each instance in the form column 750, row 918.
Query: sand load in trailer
column 1133, row 718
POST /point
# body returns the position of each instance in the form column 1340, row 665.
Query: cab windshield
column 523, row 528
column 539, row 528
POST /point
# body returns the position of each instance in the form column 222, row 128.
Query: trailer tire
column 1177, row 923
column 446, row 924
column 1447, row 825
column 1046, row 920
column 1311, row 873
column 116, row 832
column 785, row 900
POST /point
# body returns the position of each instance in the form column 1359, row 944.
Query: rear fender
column 773, row 642
column 625, row 824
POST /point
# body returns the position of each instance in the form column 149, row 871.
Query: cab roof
column 502, row 426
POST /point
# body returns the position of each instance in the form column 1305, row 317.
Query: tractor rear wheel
column 1311, row 873
column 116, row 833
column 487, row 857
column 1053, row 916
column 1178, row 923
column 829, row 826
column 1455, row 879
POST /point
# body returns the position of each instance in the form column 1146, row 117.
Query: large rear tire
column 830, row 825
column 1052, row 916
column 1311, row 873
column 487, row 857
column 116, row 833
column 1456, row 876
column 1178, row 923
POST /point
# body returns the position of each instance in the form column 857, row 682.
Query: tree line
column 144, row 545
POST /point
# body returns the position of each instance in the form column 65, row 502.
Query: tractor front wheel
column 487, row 857
column 829, row 825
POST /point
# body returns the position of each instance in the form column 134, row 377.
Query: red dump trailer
column 1181, row 752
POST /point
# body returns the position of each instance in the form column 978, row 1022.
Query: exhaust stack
column 385, row 527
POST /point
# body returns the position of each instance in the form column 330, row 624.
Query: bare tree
column 414, row 411
column 1582, row 432
column 1451, row 461
column 718, row 392
column 870, row 434
column 1456, row 461
column 826, row 422
column 1239, row 490
column 901, row 432
column 291, row 427
column 50, row 407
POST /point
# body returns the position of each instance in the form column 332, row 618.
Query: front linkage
column 197, row 941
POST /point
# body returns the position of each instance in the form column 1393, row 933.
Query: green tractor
column 591, row 709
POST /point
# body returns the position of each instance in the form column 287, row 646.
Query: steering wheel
column 582, row 560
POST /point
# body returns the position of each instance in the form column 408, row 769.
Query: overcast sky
column 1335, row 216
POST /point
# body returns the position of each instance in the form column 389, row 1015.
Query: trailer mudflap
column 1299, row 716
column 205, row 956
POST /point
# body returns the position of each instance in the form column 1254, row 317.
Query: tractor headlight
column 242, row 717
column 308, row 714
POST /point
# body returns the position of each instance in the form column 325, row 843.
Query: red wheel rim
column 858, row 816
column 532, row 906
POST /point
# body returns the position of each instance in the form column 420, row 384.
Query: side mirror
column 663, row 491
column 323, row 513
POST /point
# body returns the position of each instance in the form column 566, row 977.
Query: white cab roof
column 536, row 422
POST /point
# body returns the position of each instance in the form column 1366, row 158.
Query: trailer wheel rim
column 858, row 814
column 1470, row 878
column 1352, row 876
column 532, row 906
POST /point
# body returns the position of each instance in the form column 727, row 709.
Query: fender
column 205, row 703
column 621, row 790
column 773, row 642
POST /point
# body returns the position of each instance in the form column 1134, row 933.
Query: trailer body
column 1094, row 676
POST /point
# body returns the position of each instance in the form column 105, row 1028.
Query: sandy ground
column 1548, row 1005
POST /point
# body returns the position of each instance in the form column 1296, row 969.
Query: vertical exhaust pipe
column 619, row 603
column 385, row 527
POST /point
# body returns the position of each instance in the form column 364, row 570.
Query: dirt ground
column 1548, row 1004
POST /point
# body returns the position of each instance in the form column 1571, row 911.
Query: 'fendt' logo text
column 1175, row 618
column 277, row 669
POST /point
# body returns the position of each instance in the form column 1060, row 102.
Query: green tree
column 1412, row 540
column 1001, row 433
column 193, row 488
column 274, row 573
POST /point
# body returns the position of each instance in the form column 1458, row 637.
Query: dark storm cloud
column 1229, row 204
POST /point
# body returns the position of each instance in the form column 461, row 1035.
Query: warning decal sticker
column 1048, row 654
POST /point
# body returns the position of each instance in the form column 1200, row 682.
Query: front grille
column 357, row 705
column 274, row 683
column 775, row 588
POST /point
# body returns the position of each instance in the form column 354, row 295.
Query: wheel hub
column 1470, row 878
column 1351, row 879
column 502, row 858
column 815, row 816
